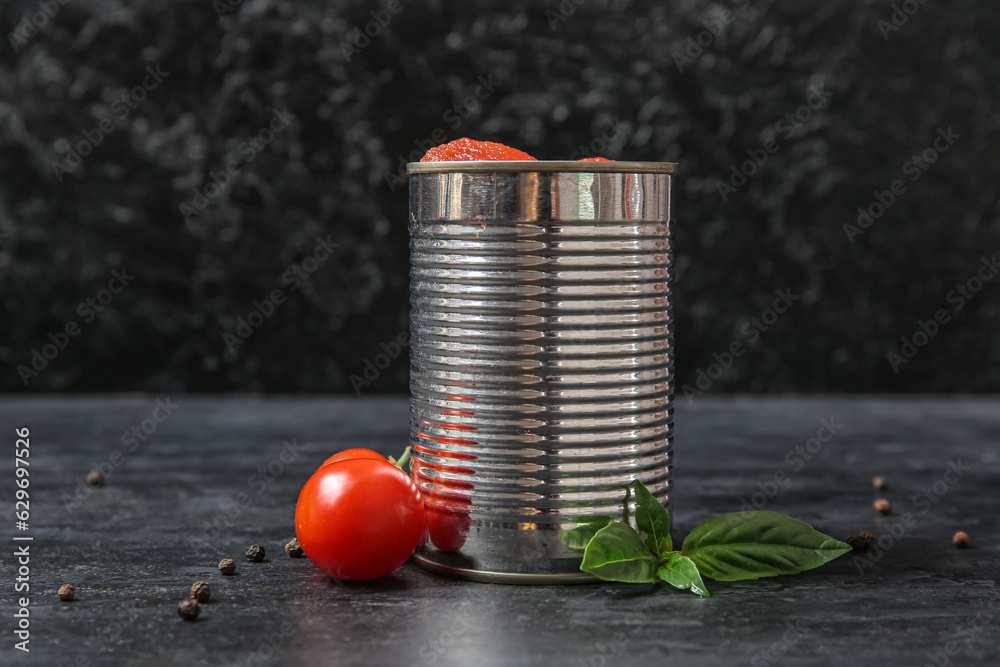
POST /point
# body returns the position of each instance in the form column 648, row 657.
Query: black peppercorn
column 66, row 592
column 201, row 591
column 862, row 541
column 227, row 566
column 95, row 478
column 189, row 609
column 294, row 549
column 255, row 553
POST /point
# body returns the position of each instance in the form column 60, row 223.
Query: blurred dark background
column 653, row 76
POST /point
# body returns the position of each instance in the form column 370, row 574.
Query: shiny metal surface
column 491, row 577
column 541, row 354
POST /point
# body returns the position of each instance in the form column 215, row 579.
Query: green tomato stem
column 406, row 459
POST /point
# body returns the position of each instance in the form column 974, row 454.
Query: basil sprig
column 616, row 553
column 727, row 547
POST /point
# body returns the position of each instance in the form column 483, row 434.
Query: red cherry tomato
column 359, row 518
column 356, row 453
column 448, row 527
column 448, row 519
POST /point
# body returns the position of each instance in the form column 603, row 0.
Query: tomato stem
column 404, row 460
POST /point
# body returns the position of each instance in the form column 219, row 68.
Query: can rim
column 519, row 166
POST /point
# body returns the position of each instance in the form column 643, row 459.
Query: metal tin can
column 541, row 356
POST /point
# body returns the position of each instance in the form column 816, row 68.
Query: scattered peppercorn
column 189, row 609
column 294, row 549
column 67, row 591
column 882, row 507
column 95, row 478
column 227, row 566
column 961, row 539
column 201, row 591
column 255, row 553
column 880, row 483
column 862, row 541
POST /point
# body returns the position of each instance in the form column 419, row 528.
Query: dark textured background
column 560, row 87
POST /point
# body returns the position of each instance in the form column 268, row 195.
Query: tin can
column 541, row 356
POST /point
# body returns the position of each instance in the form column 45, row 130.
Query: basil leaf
column 651, row 517
column 616, row 553
column 680, row 572
column 578, row 538
column 750, row 545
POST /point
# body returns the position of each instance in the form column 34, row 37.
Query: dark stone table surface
column 133, row 547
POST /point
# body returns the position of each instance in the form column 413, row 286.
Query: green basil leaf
column 750, row 545
column 651, row 517
column 578, row 538
column 616, row 553
column 680, row 572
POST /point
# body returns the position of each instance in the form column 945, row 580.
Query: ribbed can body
column 541, row 360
